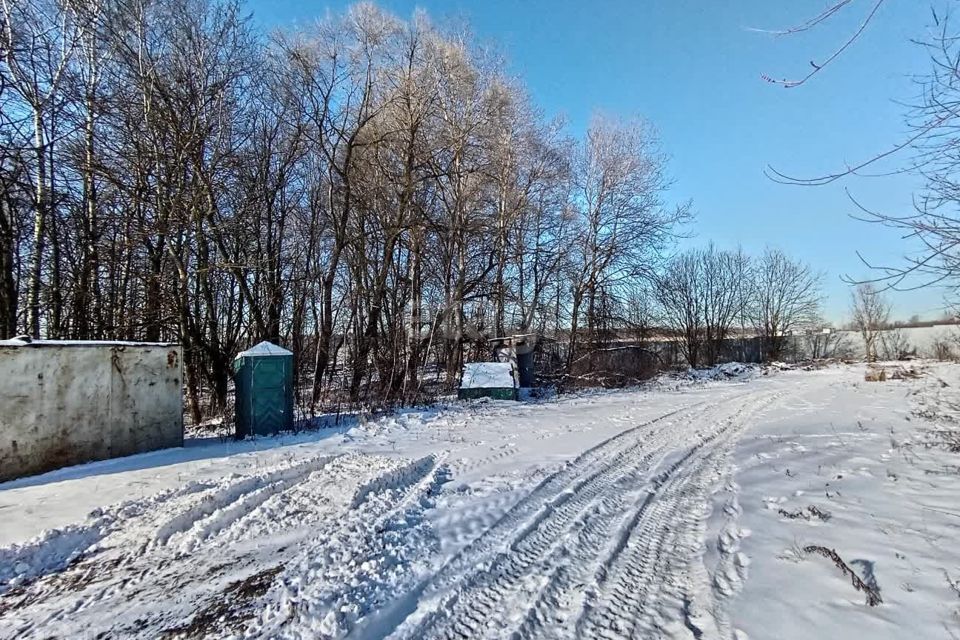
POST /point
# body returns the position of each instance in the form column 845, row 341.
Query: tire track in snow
column 219, row 508
column 575, row 565
column 360, row 563
column 574, row 580
column 133, row 549
column 51, row 551
column 73, row 556
column 565, row 587
column 123, row 585
column 648, row 585
column 540, row 518
column 532, row 532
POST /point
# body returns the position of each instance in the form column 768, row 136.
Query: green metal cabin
column 264, row 390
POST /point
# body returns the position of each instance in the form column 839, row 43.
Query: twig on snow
column 943, row 511
column 954, row 585
column 872, row 593
column 806, row 514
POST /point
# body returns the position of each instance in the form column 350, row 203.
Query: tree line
column 376, row 194
column 708, row 296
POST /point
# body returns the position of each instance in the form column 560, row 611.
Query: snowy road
column 598, row 546
column 607, row 516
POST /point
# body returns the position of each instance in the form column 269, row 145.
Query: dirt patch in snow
column 228, row 610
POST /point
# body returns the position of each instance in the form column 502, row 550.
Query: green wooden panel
column 497, row 393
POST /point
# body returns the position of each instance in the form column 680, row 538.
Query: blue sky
column 693, row 67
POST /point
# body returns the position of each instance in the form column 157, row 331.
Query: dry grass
column 882, row 373
column 806, row 514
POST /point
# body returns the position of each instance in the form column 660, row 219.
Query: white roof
column 487, row 375
column 20, row 342
column 265, row 349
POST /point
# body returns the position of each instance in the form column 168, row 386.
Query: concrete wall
column 66, row 403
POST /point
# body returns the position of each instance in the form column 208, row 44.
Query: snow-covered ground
column 739, row 504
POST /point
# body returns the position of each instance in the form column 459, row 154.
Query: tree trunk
column 39, row 228
column 412, row 379
column 83, row 298
column 153, row 293
column 361, row 362
column 325, row 337
column 8, row 291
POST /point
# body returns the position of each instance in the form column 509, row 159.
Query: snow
column 726, row 371
column 860, row 453
column 487, row 375
column 265, row 349
column 680, row 509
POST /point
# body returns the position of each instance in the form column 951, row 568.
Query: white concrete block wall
column 65, row 403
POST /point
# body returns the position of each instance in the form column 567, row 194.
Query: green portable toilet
column 264, row 390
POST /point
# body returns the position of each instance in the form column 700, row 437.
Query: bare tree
column 824, row 341
column 929, row 150
column 37, row 41
column 622, row 221
column 785, row 295
column 681, row 304
column 871, row 315
column 15, row 199
column 933, row 224
column 700, row 299
column 722, row 274
column 825, row 15
column 942, row 347
column 894, row 344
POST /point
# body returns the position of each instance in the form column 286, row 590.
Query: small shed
column 488, row 380
column 264, row 390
